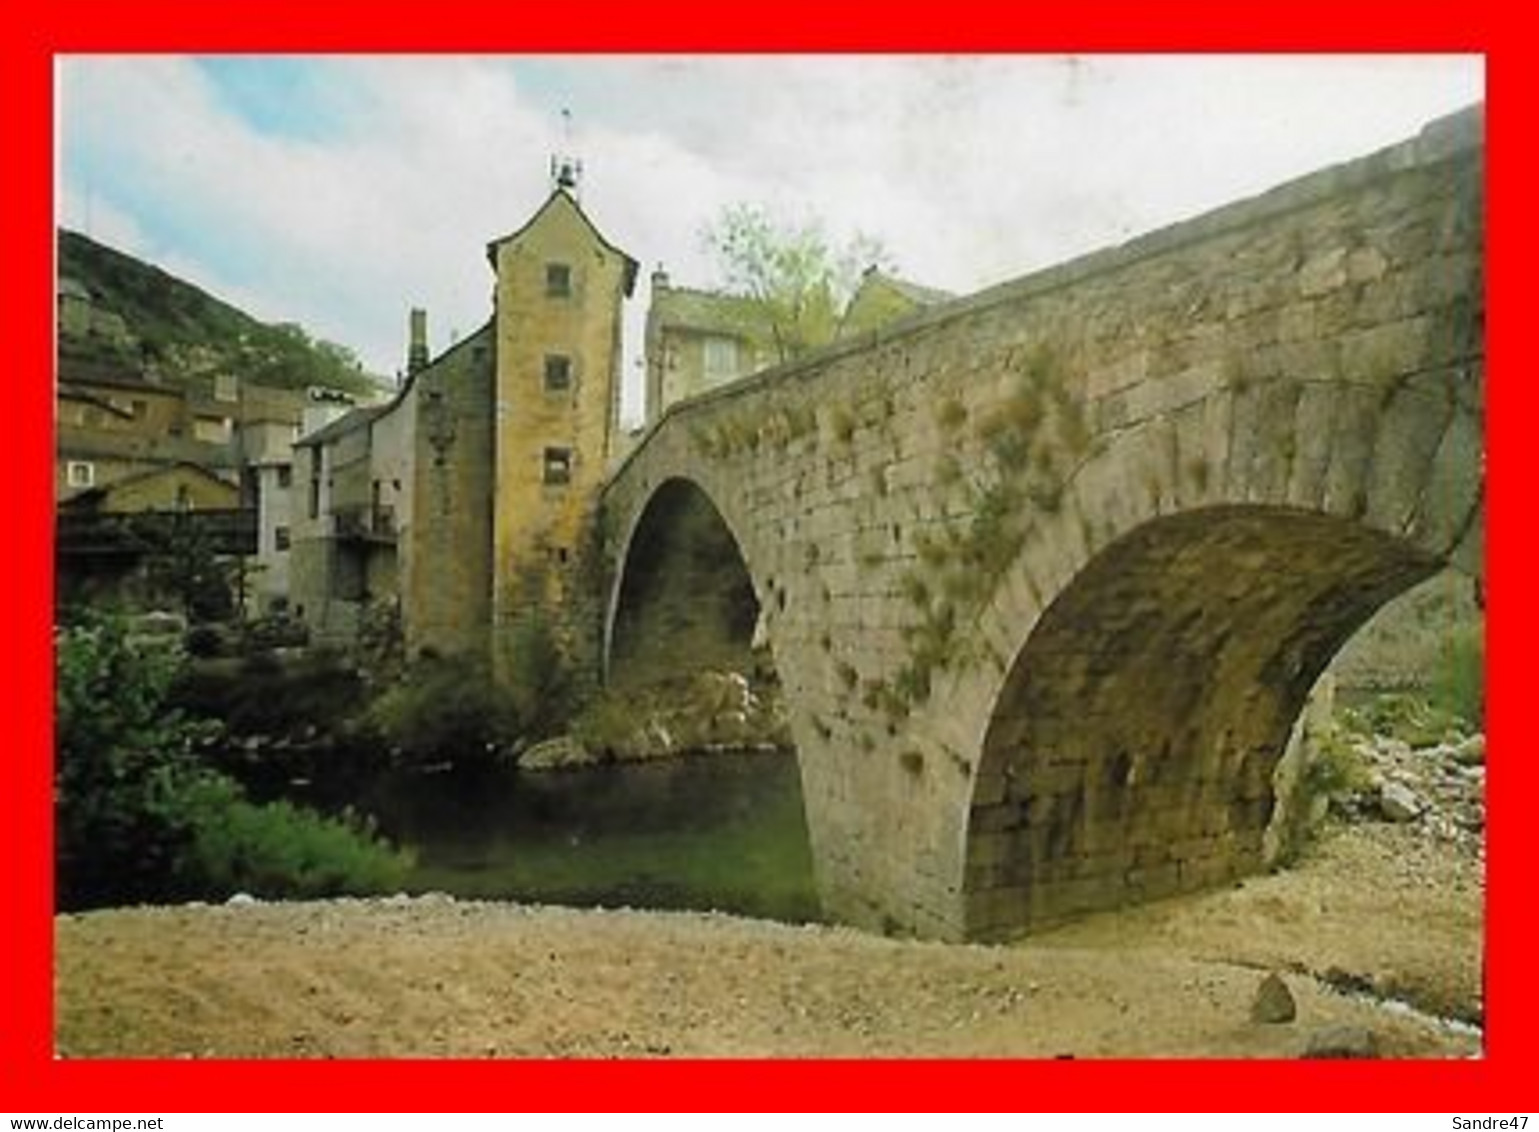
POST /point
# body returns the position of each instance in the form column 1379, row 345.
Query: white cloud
column 972, row 169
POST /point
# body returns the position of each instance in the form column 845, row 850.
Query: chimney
column 659, row 279
column 417, row 351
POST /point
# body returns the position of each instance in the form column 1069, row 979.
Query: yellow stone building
column 560, row 286
column 458, row 508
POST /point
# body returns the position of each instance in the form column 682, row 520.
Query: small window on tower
column 558, row 373
column 558, row 280
column 558, row 465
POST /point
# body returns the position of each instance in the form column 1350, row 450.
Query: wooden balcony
column 364, row 523
column 87, row 533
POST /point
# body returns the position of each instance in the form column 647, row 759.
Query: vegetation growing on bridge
column 1033, row 438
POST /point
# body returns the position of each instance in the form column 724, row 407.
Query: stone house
column 105, row 535
column 114, row 425
column 179, row 486
column 881, row 298
column 698, row 340
column 458, row 508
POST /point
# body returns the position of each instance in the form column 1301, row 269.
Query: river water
column 722, row 831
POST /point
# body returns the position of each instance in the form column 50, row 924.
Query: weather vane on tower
column 565, row 170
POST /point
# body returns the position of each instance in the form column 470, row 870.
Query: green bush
column 123, row 765
column 140, row 818
column 205, row 641
column 447, row 709
column 1413, row 719
column 1337, row 767
column 1459, row 684
column 283, row 850
column 540, row 683
column 262, row 695
column 274, row 631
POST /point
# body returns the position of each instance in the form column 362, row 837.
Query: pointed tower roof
column 561, row 198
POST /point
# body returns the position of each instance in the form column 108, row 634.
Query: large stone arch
column 1131, row 748
column 1165, row 625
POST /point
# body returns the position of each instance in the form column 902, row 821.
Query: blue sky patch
column 285, row 96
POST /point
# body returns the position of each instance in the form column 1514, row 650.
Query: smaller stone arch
column 683, row 594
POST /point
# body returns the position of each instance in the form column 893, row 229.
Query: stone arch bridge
column 1048, row 572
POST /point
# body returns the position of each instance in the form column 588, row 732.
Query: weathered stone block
column 1454, row 485
column 1411, row 426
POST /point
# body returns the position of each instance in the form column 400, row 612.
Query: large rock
column 1273, row 1001
column 1342, row 1041
column 1470, row 752
column 556, row 754
column 159, row 622
column 702, row 711
column 1400, row 803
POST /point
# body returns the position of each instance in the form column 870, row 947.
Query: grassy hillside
column 185, row 333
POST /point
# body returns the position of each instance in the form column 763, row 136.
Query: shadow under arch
column 686, row 668
column 685, row 598
column 1129, row 753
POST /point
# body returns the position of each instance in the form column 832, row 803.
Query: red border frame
column 30, row 1078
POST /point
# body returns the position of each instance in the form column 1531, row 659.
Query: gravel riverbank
column 1379, row 906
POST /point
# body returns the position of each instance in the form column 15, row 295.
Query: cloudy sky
column 339, row 191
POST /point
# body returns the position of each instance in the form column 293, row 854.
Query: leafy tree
column 125, row 765
column 800, row 280
column 447, row 709
column 140, row 817
column 185, row 564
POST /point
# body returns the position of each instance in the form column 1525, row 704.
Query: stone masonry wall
column 447, row 547
column 1055, row 564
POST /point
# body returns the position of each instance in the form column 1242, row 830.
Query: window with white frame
column 80, row 473
column 720, row 361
